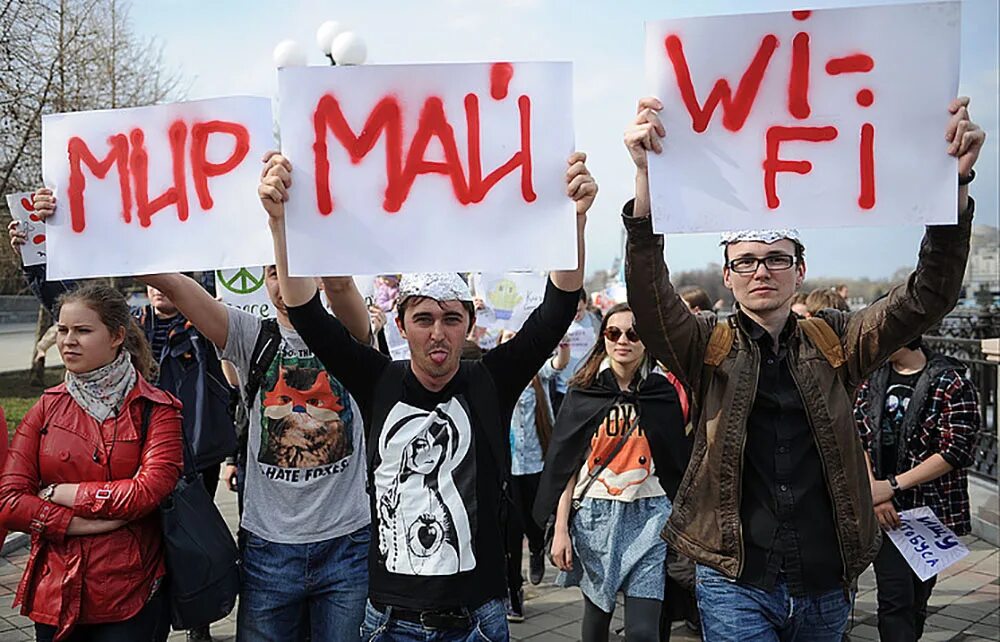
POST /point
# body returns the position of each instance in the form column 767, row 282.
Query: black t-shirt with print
column 898, row 391
column 435, row 484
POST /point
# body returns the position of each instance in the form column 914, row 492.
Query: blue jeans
column 291, row 589
column 489, row 625
column 731, row 611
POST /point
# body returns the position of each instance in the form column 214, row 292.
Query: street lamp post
column 341, row 47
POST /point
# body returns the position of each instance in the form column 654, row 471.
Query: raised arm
column 209, row 316
column 276, row 179
column 932, row 290
column 354, row 364
column 514, row 363
column 581, row 187
column 348, row 306
column 668, row 329
column 47, row 292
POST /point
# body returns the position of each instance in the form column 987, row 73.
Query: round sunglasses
column 611, row 333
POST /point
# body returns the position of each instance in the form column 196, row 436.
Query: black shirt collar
column 756, row 332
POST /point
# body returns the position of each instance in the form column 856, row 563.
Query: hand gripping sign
column 928, row 546
column 827, row 118
column 157, row 189
column 23, row 211
column 420, row 168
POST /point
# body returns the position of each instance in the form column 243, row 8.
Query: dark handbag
column 203, row 575
column 550, row 525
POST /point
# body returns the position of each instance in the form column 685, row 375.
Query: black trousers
column 521, row 524
column 902, row 597
column 151, row 624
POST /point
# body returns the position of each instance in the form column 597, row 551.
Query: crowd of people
column 754, row 461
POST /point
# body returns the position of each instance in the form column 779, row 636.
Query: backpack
column 189, row 368
column 818, row 331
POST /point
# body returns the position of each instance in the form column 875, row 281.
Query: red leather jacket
column 90, row 579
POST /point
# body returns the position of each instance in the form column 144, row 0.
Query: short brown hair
column 822, row 298
column 696, row 297
column 402, row 306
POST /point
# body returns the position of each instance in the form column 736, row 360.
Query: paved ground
column 18, row 341
column 965, row 604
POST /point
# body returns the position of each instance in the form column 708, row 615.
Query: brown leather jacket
column 705, row 524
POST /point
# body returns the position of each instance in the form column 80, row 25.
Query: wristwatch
column 48, row 492
column 893, row 483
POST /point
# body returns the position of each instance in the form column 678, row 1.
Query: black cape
column 660, row 414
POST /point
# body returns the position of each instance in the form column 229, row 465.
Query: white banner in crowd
column 581, row 339
column 244, row 288
column 157, row 189
column 22, row 211
column 417, row 168
column 399, row 349
column 824, row 118
column 928, row 546
column 509, row 298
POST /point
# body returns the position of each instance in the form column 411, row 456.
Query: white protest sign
column 399, row 349
column 166, row 188
column 928, row 546
column 581, row 339
column 22, row 211
column 824, row 118
column 244, row 288
column 509, row 298
column 421, row 168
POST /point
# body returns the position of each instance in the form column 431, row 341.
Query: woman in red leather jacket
column 80, row 479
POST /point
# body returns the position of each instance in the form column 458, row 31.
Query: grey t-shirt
column 305, row 473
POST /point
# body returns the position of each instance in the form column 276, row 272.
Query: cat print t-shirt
column 631, row 473
column 305, row 477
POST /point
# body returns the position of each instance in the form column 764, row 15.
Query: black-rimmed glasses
column 773, row 262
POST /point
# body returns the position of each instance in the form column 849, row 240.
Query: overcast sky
column 223, row 47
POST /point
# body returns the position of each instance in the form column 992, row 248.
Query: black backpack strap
column 263, row 353
column 265, row 349
column 147, row 414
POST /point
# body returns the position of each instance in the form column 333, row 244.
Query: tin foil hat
column 441, row 286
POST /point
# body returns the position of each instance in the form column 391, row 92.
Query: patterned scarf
column 101, row 392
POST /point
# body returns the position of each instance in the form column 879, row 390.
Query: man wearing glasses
column 776, row 507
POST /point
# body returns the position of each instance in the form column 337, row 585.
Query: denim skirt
column 617, row 547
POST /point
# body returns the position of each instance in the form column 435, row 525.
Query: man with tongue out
column 437, row 433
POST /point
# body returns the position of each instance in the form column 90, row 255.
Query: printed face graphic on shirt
column 897, row 400
column 423, row 518
column 305, row 418
column 633, row 464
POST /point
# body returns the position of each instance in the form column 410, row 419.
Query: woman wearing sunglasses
column 617, row 455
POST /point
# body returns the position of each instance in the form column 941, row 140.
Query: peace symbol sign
column 243, row 281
